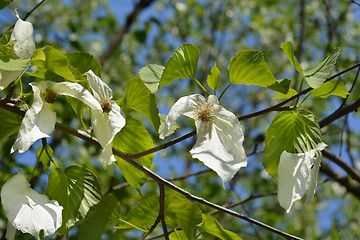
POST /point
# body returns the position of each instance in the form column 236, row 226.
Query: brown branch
column 120, row 35
column 162, row 210
column 355, row 2
column 341, row 163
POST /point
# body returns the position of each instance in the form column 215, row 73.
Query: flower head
column 39, row 121
column 107, row 121
column 219, row 136
column 296, row 174
column 27, row 210
column 24, row 48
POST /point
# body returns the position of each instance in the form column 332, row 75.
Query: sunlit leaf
column 44, row 155
column 14, row 64
column 173, row 128
column 183, row 64
column 105, row 212
column 84, row 62
column 178, row 212
column 151, row 75
column 287, row 47
column 77, row 106
column 213, row 78
column 177, row 235
column 139, row 98
column 249, row 68
column 211, row 226
column 281, row 86
column 76, row 189
column 133, row 138
column 293, row 131
column 289, row 94
column 335, row 87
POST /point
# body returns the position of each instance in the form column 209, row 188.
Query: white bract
column 298, row 173
column 219, row 136
column 27, row 210
column 107, row 121
column 39, row 121
column 24, row 48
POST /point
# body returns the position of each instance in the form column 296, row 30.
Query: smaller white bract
column 219, row 136
column 24, row 48
column 298, row 173
column 39, row 121
column 27, row 210
column 107, row 121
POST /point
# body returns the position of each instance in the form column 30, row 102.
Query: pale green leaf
column 335, row 87
column 14, row 64
column 151, row 75
column 77, row 106
column 139, row 98
column 287, row 47
column 38, row 58
column 293, row 131
column 44, row 155
column 249, row 68
column 10, row 123
column 316, row 76
column 213, row 78
column 211, row 226
column 289, row 94
column 56, row 62
column 183, row 64
column 178, row 212
column 76, row 189
column 133, row 138
column 173, row 128
column 105, row 212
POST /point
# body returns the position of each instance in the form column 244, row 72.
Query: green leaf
column 289, row 94
column 249, row 68
column 178, row 212
column 293, row 131
column 177, row 235
column 183, row 64
column 76, row 189
column 10, row 123
column 151, row 75
column 56, row 62
column 139, row 98
column 83, row 62
column 213, row 78
column 105, row 212
column 44, row 155
column 211, row 226
column 287, row 47
column 77, row 106
column 335, row 87
column 38, row 59
column 281, row 86
column 173, row 128
column 14, row 64
column 316, row 76
column 133, row 138
column 4, row 3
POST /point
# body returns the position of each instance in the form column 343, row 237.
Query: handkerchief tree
column 89, row 153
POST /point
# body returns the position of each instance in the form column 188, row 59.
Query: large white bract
column 39, row 121
column 24, row 48
column 27, row 210
column 219, row 136
column 107, row 121
column 298, row 173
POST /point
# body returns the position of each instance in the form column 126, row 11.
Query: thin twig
column 355, row 2
column 162, row 210
column 120, row 35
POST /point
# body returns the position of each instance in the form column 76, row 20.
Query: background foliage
column 219, row 29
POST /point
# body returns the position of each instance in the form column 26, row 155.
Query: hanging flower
column 27, row 210
column 219, row 136
column 24, row 48
column 107, row 121
column 298, row 173
column 39, row 121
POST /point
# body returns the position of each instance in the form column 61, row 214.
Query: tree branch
column 120, row 35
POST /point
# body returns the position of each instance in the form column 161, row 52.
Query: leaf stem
column 201, row 86
column 225, row 90
column 300, row 89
